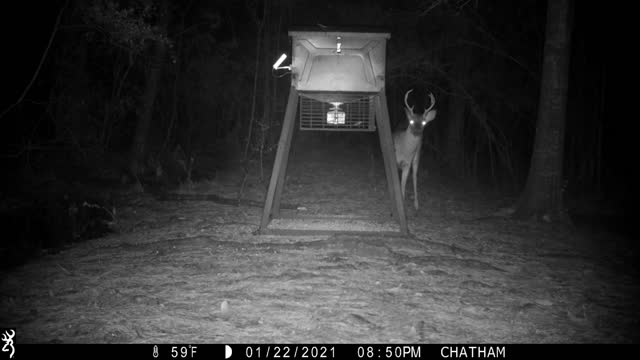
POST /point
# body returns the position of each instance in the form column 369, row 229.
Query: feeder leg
column 388, row 154
column 290, row 120
column 276, row 183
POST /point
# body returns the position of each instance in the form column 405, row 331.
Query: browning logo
column 7, row 337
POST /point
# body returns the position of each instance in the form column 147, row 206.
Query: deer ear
column 430, row 115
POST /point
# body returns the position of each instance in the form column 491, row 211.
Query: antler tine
column 433, row 103
column 406, row 96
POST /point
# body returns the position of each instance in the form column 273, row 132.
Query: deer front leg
column 403, row 181
column 414, row 170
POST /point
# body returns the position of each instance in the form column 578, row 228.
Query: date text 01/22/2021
column 289, row 352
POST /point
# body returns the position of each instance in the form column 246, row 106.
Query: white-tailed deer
column 407, row 143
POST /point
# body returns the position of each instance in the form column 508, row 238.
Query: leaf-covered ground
column 193, row 271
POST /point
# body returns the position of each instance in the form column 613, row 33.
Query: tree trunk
column 266, row 86
column 152, row 81
column 542, row 196
column 457, row 105
column 455, row 135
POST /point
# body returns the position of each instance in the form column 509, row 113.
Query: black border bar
column 320, row 351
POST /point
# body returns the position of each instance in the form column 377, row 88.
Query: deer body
column 408, row 143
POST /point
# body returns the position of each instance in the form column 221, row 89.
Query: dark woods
column 156, row 93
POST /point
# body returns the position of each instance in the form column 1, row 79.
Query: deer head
column 417, row 122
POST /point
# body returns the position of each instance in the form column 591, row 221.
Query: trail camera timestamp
column 389, row 352
column 290, row 352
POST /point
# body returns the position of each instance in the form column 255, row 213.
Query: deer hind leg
column 414, row 170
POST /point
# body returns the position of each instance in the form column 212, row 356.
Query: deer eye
column 424, row 123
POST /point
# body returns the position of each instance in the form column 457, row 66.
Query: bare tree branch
column 44, row 56
column 501, row 53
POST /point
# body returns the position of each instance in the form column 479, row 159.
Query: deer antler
column 433, row 102
column 406, row 96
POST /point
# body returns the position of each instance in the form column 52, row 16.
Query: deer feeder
column 338, row 83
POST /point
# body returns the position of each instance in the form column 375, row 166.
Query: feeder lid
column 338, row 59
column 351, row 31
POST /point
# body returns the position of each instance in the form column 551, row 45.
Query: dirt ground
column 194, row 272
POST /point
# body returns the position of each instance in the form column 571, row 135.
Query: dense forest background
column 161, row 92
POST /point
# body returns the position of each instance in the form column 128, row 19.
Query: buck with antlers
column 407, row 143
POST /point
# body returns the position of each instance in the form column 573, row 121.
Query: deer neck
column 408, row 138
